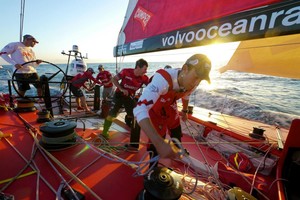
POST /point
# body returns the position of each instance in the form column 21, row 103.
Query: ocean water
column 268, row 99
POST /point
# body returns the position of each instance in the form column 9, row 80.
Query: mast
column 22, row 18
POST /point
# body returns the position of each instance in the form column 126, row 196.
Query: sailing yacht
column 62, row 155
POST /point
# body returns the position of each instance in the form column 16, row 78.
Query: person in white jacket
column 18, row 53
column 156, row 111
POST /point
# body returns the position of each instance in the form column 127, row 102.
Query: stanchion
column 47, row 97
column 97, row 98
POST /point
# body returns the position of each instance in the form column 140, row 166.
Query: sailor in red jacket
column 106, row 78
column 130, row 81
column 79, row 81
column 156, row 110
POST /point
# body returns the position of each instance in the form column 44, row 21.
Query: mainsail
column 150, row 26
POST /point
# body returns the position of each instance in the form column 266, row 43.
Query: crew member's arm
column 115, row 81
column 6, row 52
column 157, row 87
column 95, row 81
column 184, row 111
column 165, row 149
column 110, row 79
column 7, row 58
column 90, row 76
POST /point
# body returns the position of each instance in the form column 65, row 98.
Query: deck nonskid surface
column 107, row 178
column 110, row 177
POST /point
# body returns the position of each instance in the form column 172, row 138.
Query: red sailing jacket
column 105, row 77
column 164, row 113
column 166, row 101
column 131, row 82
column 81, row 78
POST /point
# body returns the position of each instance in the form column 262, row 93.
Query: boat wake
column 230, row 106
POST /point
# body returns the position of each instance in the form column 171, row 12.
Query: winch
column 43, row 116
column 161, row 183
column 25, row 105
column 58, row 134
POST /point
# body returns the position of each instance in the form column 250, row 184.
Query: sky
column 93, row 25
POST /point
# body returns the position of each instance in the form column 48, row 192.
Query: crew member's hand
column 184, row 116
column 125, row 92
column 90, row 89
column 18, row 66
column 167, row 149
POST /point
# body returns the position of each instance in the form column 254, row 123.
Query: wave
column 230, row 106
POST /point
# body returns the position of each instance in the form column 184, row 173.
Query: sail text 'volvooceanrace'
column 261, row 22
column 275, row 20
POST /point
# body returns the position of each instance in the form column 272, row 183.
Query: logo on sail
column 271, row 22
column 136, row 45
column 143, row 16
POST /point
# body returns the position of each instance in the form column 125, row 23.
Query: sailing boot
column 106, row 126
column 128, row 120
column 133, row 146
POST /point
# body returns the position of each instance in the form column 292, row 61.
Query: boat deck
column 98, row 169
column 83, row 161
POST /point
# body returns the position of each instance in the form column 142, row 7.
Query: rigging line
column 228, row 142
column 38, row 181
column 221, row 120
column 22, row 14
column 224, row 122
column 87, row 166
column 33, row 153
column 9, row 74
column 17, row 177
column 257, row 169
column 102, row 143
column 33, row 166
column 133, row 164
column 278, row 179
column 231, row 126
column 19, row 174
column 218, row 181
column 224, row 102
column 36, row 144
column 238, row 172
column 187, row 168
column 141, row 167
column 206, row 162
column 44, row 152
column 245, row 178
column 222, row 115
column 95, row 143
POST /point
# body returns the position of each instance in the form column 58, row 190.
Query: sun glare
column 206, row 86
column 220, row 54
